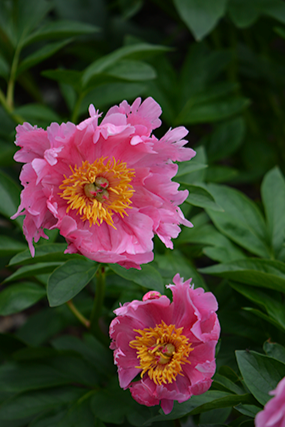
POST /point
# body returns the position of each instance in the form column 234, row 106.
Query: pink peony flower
column 171, row 345
column 106, row 187
column 273, row 414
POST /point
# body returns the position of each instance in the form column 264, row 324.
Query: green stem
column 15, row 117
column 97, row 307
column 12, row 80
column 77, row 314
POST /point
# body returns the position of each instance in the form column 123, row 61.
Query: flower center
column 99, row 190
column 161, row 351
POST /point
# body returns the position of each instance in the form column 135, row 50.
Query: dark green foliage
column 216, row 67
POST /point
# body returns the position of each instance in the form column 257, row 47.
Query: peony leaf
column 111, row 93
column 131, row 70
column 260, row 373
column 60, row 29
column 134, row 50
column 10, row 246
column 44, row 253
column 248, row 410
column 199, row 195
column 241, row 220
column 148, row 276
column 32, row 270
column 186, row 168
column 217, row 143
column 34, row 402
column 18, row 297
column 273, row 197
column 9, row 196
column 221, row 174
column 252, row 271
column 70, row 77
column 270, row 303
column 69, row 279
column 200, row 17
column 274, row 350
column 37, row 114
column 40, row 55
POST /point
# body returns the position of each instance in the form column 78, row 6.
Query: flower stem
column 15, row 117
column 97, row 307
column 11, row 82
column 77, row 314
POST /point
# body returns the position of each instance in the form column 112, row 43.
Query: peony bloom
column 107, row 187
column 171, row 345
column 273, row 414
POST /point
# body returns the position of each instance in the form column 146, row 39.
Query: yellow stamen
column 161, row 351
column 98, row 190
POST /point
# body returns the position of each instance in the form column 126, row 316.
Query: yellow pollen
column 161, row 351
column 99, row 190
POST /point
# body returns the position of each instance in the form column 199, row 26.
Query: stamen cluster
column 161, row 350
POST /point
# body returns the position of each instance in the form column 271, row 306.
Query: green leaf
column 20, row 296
column 200, row 17
column 131, row 70
column 90, row 349
column 261, row 374
column 134, row 50
column 273, row 197
column 273, row 8
column 252, row 271
column 174, row 262
column 7, row 152
column 40, row 55
column 187, row 168
column 211, row 108
column 243, row 13
column 196, row 402
column 221, row 174
column 37, row 114
column 111, row 93
column 199, row 195
column 197, row 176
column 61, row 29
column 220, row 249
column 273, row 306
column 78, row 414
column 9, row 196
column 44, row 253
column 69, row 279
column 10, row 246
column 208, row 66
column 148, row 276
column 32, row 270
column 248, row 410
column 223, row 402
column 10, row 344
column 274, row 350
column 28, row 14
column 226, row 383
column 70, row 77
column 34, row 402
column 264, row 316
column 54, row 321
column 19, row 377
column 241, row 220
column 217, row 143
